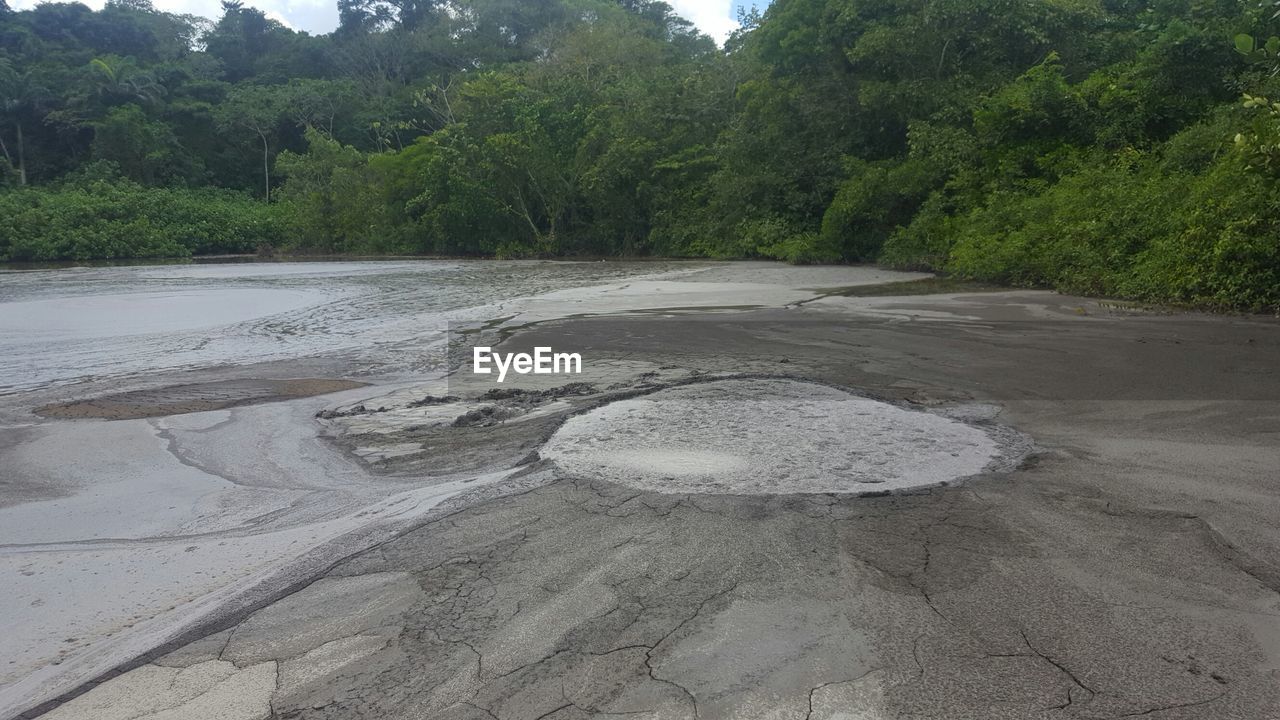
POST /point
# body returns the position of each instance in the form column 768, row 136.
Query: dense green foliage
column 1097, row 146
column 98, row 214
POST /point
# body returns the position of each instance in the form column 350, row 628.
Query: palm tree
column 119, row 78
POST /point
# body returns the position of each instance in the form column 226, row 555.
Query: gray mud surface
column 1127, row 569
column 196, row 397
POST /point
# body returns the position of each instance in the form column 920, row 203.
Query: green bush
column 872, row 204
column 777, row 239
column 96, row 218
column 1125, row 226
column 332, row 199
column 1226, row 254
column 925, row 244
column 1081, row 234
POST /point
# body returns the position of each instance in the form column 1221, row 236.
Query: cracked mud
column 1127, row 569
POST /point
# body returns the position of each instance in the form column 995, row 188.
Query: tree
column 525, row 146
column 332, row 195
column 19, row 96
column 317, row 104
column 121, row 81
column 144, row 149
column 365, row 16
column 241, row 39
column 258, row 110
column 135, row 29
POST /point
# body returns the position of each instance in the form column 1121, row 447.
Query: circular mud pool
column 769, row 436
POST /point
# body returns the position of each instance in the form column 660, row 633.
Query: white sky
column 716, row 18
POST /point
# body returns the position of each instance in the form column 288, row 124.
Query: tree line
column 1120, row 147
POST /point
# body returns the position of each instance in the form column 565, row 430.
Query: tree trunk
column 266, row 168
column 22, row 160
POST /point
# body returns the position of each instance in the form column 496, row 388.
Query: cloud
column 711, row 16
column 185, row 7
column 275, row 15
